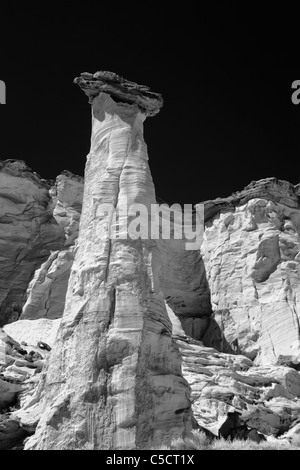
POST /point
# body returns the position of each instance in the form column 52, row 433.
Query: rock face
column 267, row 398
column 47, row 290
column 251, row 256
column 114, row 377
column 28, row 231
column 33, row 331
column 183, row 281
column 121, row 90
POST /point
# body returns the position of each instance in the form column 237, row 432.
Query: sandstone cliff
column 28, row 232
column 48, row 287
column 251, row 256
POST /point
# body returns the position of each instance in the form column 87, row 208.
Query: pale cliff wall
column 251, row 255
column 47, row 290
column 28, row 232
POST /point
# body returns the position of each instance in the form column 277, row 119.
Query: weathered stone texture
column 251, row 256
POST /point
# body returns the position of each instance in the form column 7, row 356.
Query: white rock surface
column 268, row 398
column 33, row 331
column 19, row 384
column 67, row 196
column 47, row 290
column 251, row 255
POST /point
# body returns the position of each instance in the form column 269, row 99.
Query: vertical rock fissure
column 115, row 205
column 291, row 303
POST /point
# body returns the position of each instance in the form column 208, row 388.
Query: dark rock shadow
column 210, row 332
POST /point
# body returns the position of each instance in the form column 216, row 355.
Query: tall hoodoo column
column 114, row 377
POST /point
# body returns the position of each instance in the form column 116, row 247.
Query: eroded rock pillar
column 114, row 377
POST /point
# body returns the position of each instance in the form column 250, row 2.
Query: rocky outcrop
column 237, row 375
column 22, row 381
column 267, row 399
column 37, row 337
column 47, row 290
column 28, row 232
column 18, row 363
column 20, row 370
column 114, row 377
column 251, row 256
column 278, row 191
column 67, row 196
column 121, row 90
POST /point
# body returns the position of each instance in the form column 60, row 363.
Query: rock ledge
column 121, row 90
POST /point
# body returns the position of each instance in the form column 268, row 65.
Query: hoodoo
column 114, row 377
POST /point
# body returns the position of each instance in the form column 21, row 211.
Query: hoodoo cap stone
column 121, row 90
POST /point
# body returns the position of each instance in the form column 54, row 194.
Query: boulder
column 11, row 433
column 8, row 393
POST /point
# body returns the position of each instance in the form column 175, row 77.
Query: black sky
column 225, row 77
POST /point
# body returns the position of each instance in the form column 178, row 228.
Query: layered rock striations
column 20, row 366
column 47, row 290
column 267, row 398
column 222, row 380
column 251, row 255
column 28, row 233
column 121, row 90
column 114, row 378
